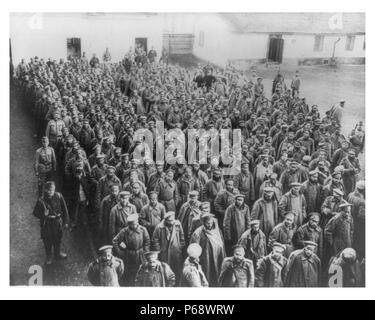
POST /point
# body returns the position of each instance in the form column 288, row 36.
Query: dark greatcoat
column 52, row 213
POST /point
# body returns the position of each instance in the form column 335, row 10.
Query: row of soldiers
column 297, row 185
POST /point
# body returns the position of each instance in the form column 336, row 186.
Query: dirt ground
column 323, row 86
column 326, row 86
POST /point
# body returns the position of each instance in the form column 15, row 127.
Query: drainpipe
column 333, row 60
column 334, row 47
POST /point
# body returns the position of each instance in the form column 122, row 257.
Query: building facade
column 244, row 39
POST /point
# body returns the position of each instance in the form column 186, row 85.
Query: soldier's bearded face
column 133, row 225
column 239, row 202
column 295, row 190
column 268, row 195
column 51, row 191
column 115, row 191
column 124, row 200
column 136, row 189
column 230, row 186
column 154, row 200
column 208, row 223
column 152, row 262
column 289, row 222
column 277, row 254
column 169, row 222
column 314, row 223
column 255, row 228
column 106, row 256
column 45, row 143
column 216, row 177
column 239, row 254
column 309, row 250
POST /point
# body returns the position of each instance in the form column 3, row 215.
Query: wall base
column 248, row 64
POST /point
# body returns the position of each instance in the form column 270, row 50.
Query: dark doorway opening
column 275, row 49
column 74, row 47
column 141, row 44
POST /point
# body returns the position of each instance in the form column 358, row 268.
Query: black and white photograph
column 188, row 150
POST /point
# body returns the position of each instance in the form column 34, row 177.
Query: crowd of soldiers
column 294, row 213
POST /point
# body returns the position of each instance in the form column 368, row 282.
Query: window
column 319, row 43
column 201, row 39
column 350, row 43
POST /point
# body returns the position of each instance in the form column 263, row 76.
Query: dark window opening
column 74, row 48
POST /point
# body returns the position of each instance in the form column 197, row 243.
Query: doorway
column 275, row 49
column 74, row 47
column 141, row 43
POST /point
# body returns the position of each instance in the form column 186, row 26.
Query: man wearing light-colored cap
column 103, row 218
column 188, row 212
column 312, row 191
column 133, row 178
column 152, row 214
column 120, row 213
column 224, row 199
column 45, row 164
column 169, row 239
column 273, row 183
column 54, row 129
column 185, row 185
column 99, row 169
column 138, row 198
column 213, row 187
column 237, row 271
column 107, row 270
column 292, row 174
column 130, row 244
column 200, row 177
column 304, row 267
column 155, row 177
column 266, row 211
column 244, row 182
column 358, row 200
column 337, row 112
column 52, row 212
column 167, row 191
column 209, row 237
column 331, row 206
column 123, row 167
column 340, row 153
column 339, row 230
column 205, row 208
column 236, row 221
column 255, row 242
column 272, row 269
column 104, row 186
column 351, row 170
column 263, row 170
column 310, row 231
column 192, row 273
column 283, row 233
column 352, row 273
column 294, row 201
column 154, row 273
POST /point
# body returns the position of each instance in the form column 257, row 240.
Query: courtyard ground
column 325, row 86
